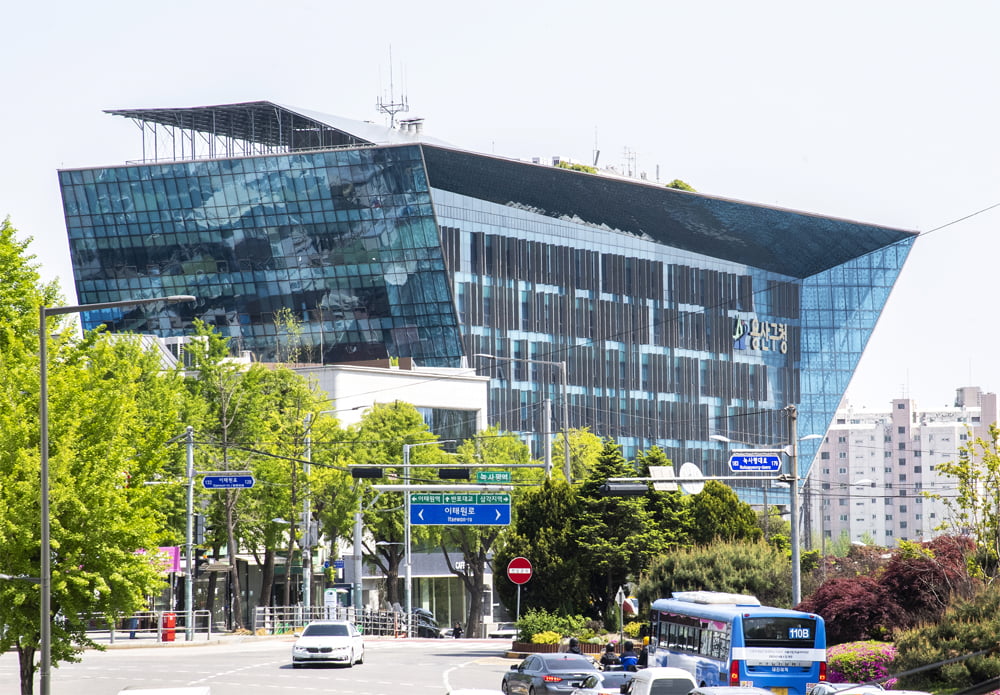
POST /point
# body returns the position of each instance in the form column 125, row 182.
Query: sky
column 885, row 112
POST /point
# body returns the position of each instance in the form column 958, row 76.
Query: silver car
column 329, row 641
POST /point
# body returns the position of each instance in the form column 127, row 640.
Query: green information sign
column 461, row 498
column 492, row 476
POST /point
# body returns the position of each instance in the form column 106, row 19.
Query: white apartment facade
column 870, row 475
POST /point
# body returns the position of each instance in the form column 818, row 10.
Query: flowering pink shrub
column 860, row 662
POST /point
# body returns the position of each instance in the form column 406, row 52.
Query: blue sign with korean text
column 460, row 514
column 227, row 482
column 468, row 509
column 770, row 463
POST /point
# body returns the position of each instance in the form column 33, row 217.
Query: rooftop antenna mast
column 392, row 107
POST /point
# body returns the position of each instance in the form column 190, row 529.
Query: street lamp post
column 45, row 628
column 793, row 459
column 792, row 478
column 307, row 521
column 565, row 403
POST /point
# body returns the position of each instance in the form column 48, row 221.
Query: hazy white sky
column 885, row 112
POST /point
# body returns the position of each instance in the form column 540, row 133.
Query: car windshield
column 329, row 630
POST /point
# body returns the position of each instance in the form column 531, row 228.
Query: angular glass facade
column 677, row 316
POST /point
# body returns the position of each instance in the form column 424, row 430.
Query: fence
column 161, row 626
column 287, row 619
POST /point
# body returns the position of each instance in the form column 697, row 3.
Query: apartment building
column 870, row 476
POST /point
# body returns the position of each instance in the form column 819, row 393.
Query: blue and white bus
column 730, row 639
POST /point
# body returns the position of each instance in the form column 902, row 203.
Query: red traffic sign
column 519, row 570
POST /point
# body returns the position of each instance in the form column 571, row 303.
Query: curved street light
column 44, row 312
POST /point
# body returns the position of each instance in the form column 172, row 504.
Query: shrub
column 538, row 620
column 546, row 637
column 859, row 662
column 632, row 629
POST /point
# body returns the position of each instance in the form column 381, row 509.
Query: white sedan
column 329, row 641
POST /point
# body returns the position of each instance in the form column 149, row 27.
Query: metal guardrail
column 160, row 626
column 288, row 619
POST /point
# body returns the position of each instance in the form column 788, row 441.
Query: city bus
column 730, row 639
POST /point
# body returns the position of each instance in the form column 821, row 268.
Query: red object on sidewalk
column 169, row 631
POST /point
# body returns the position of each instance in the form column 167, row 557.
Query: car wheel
column 531, row 690
column 296, row 664
column 503, row 688
column 361, row 659
column 350, row 662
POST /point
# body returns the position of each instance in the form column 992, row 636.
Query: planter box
column 585, row 647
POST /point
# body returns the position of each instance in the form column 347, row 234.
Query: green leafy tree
column 544, row 531
column 378, row 440
column 720, row 515
column 254, row 418
column 670, row 514
column 110, row 408
column 967, row 627
column 584, row 449
column 680, row 185
column 753, row 568
column 973, row 508
column 476, row 542
column 619, row 535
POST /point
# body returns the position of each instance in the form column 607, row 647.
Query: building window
column 901, row 446
column 900, row 406
column 842, row 455
column 902, row 524
column 824, row 455
column 888, row 517
column 902, row 477
column 901, row 462
column 902, row 509
column 901, row 430
column 917, row 469
column 841, row 440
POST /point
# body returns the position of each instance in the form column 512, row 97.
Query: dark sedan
column 548, row 673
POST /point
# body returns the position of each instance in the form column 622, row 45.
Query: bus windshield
column 779, row 632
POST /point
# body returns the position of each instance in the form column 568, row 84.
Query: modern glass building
column 672, row 316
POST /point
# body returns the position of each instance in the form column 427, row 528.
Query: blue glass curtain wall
column 346, row 240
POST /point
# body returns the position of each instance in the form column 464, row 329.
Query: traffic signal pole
column 189, row 565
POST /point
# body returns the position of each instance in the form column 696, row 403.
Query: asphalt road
column 263, row 666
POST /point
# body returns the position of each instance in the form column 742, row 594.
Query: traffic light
column 623, row 489
column 199, row 561
column 199, row 529
column 366, row 472
column 453, row 473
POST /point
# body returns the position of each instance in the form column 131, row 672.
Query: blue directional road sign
column 227, row 482
column 457, row 509
column 770, row 463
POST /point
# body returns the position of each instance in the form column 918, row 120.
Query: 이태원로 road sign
column 755, row 462
column 454, row 509
column 519, row 570
column 225, row 482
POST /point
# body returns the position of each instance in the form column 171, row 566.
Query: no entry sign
column 519, row 570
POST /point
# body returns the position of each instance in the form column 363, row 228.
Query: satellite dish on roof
column 688, row 472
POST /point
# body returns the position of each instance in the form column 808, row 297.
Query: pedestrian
column 609, row 658
column 644, row 654
column 457, row 632
column 574, row 646
column 629, row 658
